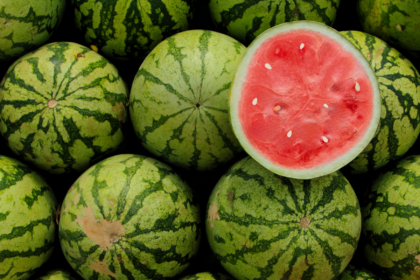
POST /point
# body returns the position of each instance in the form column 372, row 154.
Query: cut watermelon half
column 304, row 101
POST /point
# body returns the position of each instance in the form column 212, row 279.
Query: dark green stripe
column 36, row 193
column 19, row 231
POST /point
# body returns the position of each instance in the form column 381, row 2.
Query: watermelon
column 27, row 24
column 129, row 29
column 264, row 226
column 129, row 217
column 396, row 22
column 246, row 19
column 57, row 274
column 206, row 276
column 399, row 84
column 63, row 107
column 391, row 221
column 179, row 99
column 304, row 101
column 27, row 220
column 353, row 273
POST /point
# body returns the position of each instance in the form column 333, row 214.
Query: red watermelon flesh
column 306, row 100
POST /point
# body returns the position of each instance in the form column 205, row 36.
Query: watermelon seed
column 277, row 51
column 357, row 86
column 398, row 27
column 254, row 102
column 302, row 45
column 289, row 134
column 52, row 103
column 325, row 139
column 326, row 105
column 268, row 66
column 277, row 108
column 304, row 222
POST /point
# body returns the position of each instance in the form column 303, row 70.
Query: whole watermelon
column 129, row 217
column 353, row 273
column 57, row 274
column 206, row 276
column 179, row 99
column 63, row 107
column 27, row 24
column 391, row 221
column 27, row 220
column 244, row 20
column 396, row 22
column 399, row 85
column 130, row 29
column 264, row 226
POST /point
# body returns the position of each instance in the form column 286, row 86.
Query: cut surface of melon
column 304, row 101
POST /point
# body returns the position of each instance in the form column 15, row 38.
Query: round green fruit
column 396, row 22
column 399, row 85
column 129, row 217
column 130, row 29
column 179, row 99
column 57, row 274
column 206, row 276
column 353, row 273
column 264, row 226
column 63, row 107
column 246, row 19
column 391, row 221
column 27, row 220
column 27, row 24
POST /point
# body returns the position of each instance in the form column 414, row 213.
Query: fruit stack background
column 201, row 182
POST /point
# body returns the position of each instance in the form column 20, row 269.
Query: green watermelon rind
column 244, row 20
column 129, row 216
column 27, row 219
column 264, row 226
column 63, row 107
column 399, row 83
column 179, row 100
column 235, row 95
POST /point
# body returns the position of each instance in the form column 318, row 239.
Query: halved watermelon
column 304, row 101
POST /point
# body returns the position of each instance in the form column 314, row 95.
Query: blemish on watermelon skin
column 102, row 232
column 102, row 268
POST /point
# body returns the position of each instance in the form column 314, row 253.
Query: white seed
column 289, row 134
column 302, row 45
column 277, row 108
column 398, row 27
column 277, row 51
column 268, row 66
column 326, row 105
column 325, row 139
column 357, row 86
column 254, row 102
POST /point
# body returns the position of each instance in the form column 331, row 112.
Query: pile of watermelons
column 209, row 139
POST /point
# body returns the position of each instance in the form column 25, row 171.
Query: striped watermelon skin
column 391, row 221
column 264, row 226
column 57, row 274
column 27, row 220
column 129, row 29
column 244, row 20
column 129, row 217
column 399, row 84
column 396, row 22
column 179, row 99
column 27, row 24
column 63, row 107
column 206, row 276
column 353, row 273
